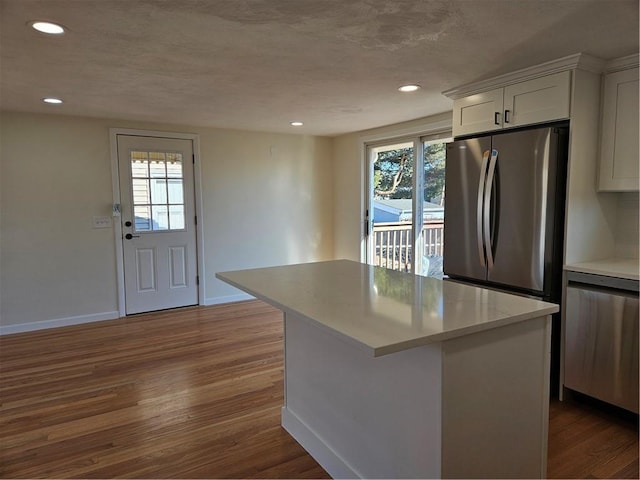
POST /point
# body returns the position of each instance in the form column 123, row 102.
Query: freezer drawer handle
column 480, row 210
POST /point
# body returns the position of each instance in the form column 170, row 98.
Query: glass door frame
column 439, row 131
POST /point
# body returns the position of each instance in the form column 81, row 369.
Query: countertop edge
column 613, row 267
column 380, row 351
column 470, row 330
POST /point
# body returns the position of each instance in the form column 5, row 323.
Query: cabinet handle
column 506, row 116
column 496, row 118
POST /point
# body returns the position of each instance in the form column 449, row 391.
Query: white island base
column 391, row 375
column 471, row 407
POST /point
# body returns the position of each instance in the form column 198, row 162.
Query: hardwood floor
column 190, row 393
column 196, row 393
column 589, row 439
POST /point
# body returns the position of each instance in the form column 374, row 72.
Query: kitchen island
column 394, row 375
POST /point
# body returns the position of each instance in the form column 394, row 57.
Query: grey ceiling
column 258, row 64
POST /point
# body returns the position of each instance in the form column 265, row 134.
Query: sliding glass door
column 404, row 230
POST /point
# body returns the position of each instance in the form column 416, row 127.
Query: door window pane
column 157, row 182
column 174, row 165
column 141, row 191
column 142, row 216
column 175, row 192
column 176, row 217
column 158, row 191
column 139, row 165
column 392, row 206
column 433, row 213
column 160, row 217
column 157, row 165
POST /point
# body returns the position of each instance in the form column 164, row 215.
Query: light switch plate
column 102, row 222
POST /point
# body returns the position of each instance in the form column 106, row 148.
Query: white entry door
column 158, row 222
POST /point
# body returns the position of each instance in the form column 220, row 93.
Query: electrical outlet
column 102, row 222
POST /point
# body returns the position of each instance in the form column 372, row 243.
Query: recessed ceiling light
column 409, row 88
column 52, row 100
column 296, row 124
column 47, row 27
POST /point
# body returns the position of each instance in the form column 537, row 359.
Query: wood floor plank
column 197, row 393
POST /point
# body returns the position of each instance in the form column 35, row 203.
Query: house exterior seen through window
column 394, row 183
column 158, row 191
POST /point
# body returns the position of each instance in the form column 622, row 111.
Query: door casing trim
column 117, row 225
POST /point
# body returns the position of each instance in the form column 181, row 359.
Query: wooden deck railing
column 392, row 243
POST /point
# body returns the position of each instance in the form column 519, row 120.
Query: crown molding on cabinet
column 623, row 63
column 580, row 61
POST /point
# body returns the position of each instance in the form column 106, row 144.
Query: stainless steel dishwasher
column 601, row 338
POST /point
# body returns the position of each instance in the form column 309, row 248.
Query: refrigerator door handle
column 480, row 209
column 487, row 207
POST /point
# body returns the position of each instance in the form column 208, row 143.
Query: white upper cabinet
column 478, row 113
column 538, row 100
column 619, row 152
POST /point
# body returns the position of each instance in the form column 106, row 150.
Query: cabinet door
column 478, row 113
column 619, row 135
column 539, row 100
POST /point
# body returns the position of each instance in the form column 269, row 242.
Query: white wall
column 627, row 225
column 267, row 199
column 590, row 218
column 55, row 175
column 348, row 170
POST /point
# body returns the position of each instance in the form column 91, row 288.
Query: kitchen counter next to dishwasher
column 613, row 267
column 383, row 311
column 393, row 375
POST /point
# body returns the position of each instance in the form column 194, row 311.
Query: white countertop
column 612, row 267
column 383, row 311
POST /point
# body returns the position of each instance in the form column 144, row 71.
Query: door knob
column 128, row 236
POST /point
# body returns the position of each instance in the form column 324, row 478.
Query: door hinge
column 193, row 158
column 197, row 279
column 195, row 219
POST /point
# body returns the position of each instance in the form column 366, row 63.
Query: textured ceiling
column 259, row 64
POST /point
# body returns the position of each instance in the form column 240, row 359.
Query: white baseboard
column 335, row 466
column 228, row 299
column 57, row 322
column 97, row 317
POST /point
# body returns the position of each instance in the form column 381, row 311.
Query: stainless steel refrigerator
column 504, row 210
column 504, row 216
